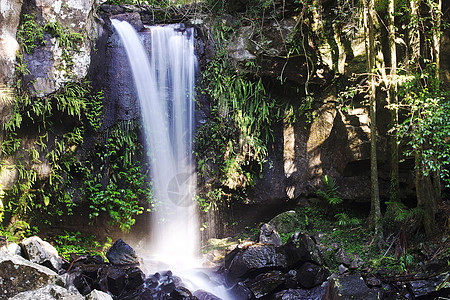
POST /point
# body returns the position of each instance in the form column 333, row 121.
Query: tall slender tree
column 425, row 190
column 375, row 212
column 393, row 101
column 435, row 11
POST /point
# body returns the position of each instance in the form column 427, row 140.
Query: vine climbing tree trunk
column 425, row 190
column 375, row 212
column 436, row 14
column 393, row 101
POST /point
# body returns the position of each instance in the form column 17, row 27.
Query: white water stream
column 165, row 88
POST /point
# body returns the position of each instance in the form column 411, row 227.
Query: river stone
column 41, row 252
column 301, row 248
column 98, row 295
column 310, row 275
column 352, row 287
column 122, row 254
column 268, row 235
column 204, row 295
column 310, row 294
column 19, row 275
column 49, row 292
column 266, row 283
column 427, row 286
column 240, row 292
column 252, row 258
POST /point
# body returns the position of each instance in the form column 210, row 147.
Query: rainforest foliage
column 46, row 135
column 232, row 145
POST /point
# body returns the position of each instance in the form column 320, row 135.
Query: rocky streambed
column 251, row 270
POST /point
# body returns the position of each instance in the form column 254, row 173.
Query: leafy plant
column 330, row 192
column 75, row 242
column 122, row 182
column 344, row 220
column 30, row 33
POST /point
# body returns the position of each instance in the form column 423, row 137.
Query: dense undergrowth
column 399, row 254
column 100, row 174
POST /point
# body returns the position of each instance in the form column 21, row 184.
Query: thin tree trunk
column 425, row 190
column 436, row 15
column 393, row 101
column 375, row 214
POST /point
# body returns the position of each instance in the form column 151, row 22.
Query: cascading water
column 165, row 88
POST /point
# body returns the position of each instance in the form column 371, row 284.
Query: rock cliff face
column 9, row 20
column 48, row 69
column 331, row 142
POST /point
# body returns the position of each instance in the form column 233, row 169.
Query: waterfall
column 165, row 88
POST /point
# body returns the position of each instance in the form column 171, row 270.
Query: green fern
column 402, row 212
column 330, row 194
column 344, row 220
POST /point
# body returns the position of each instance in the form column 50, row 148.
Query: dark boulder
column 253, row 259
column 296, row 294
column 301, row 248
column 428, row 286
column 265, row 284
column 351, row 287
column 310, row 275
column 204, row 295
column 241, row 292
column 181, row 293
column 122, row 254
column 269, row 235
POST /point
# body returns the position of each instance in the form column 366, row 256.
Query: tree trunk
column 436, row 9
column 393, row 101
column 375, row 213
column 425, row 189
column 425, row 199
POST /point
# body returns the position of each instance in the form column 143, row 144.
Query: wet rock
column 181, row 293
column 204, row 295
column 241, row 292
column 310, row 275
column 291, row 280
column 116, row 280
column 122, row 254
column 252, row 258
column 269, row 235
column 19, row 275
column 427, row 286
column 49, row 292
column 98, row 295
column 304, row 294
column 301, row 248
column 266, row 283
column 351, row 287
column 135, row 277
